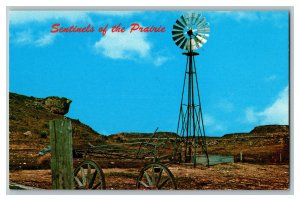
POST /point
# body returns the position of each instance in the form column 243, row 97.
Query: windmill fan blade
column 193, row 42
column 203, row 35
column 189, row 31
column 191, row 45
column 199, row 15
column 193, row 18
column 177, row 27
column 176, row 32
column 175, row 38
column 183, row 20
column 179, row 41
column 187, row 47
column 202, row 40
column 187, row 19
column 179, row 23
column 198, row 43
column 183, row 45
column 202, row 20
column 203, row 25
column 197, row 40
column 204, row 30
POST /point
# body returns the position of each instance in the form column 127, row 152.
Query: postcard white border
column 166, row 5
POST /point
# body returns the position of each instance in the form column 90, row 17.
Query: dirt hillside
column 29, row 128
column 29, row 133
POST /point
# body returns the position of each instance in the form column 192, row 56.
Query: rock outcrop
column 270, row 130
column 57, row 105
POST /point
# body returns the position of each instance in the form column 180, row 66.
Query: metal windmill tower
column 190, row 33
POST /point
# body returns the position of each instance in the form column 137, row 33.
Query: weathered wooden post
column 280, row 158
column 61, row 154
column 241, row 156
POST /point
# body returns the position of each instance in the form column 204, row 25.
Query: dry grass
column 44, row 160
column 235, row 176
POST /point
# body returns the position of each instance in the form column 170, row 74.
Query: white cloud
column 44, row 40
column 28, row 38
column 23, row 37
column 251, row 115
column 209, row 120
column 22, row 17
column 213, row 125
column 129, row 46
column 276, row 113
column 124, row 45
column 270, row 78
column 247, row 16
column 133, row 46
column 160, row 60
column 238, row 15
column 234, row 15
column 225, row 105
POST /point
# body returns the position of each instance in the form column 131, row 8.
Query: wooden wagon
column 158, row 150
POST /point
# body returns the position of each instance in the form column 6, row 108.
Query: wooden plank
column 15, row 186
column 61, row 154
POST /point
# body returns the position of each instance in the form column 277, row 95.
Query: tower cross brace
column 190, row 122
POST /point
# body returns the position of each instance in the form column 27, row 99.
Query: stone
column 27, row 133
column 57, row 105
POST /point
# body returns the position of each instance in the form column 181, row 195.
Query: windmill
column 190, row 33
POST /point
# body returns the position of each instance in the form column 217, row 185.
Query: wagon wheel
column 156, row 176
column 89, row 175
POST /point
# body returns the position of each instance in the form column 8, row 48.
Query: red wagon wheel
column 156, row 176
column 89, row 175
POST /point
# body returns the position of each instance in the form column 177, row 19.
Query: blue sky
column 124, row 82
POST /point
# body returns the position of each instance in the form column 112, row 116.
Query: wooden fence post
column 61, row 154
column 280, row 158
column 241, row 156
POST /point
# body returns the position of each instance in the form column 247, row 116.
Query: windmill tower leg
column 190, row 122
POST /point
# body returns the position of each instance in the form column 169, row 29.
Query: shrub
column 43, row 134
column 46, row 125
